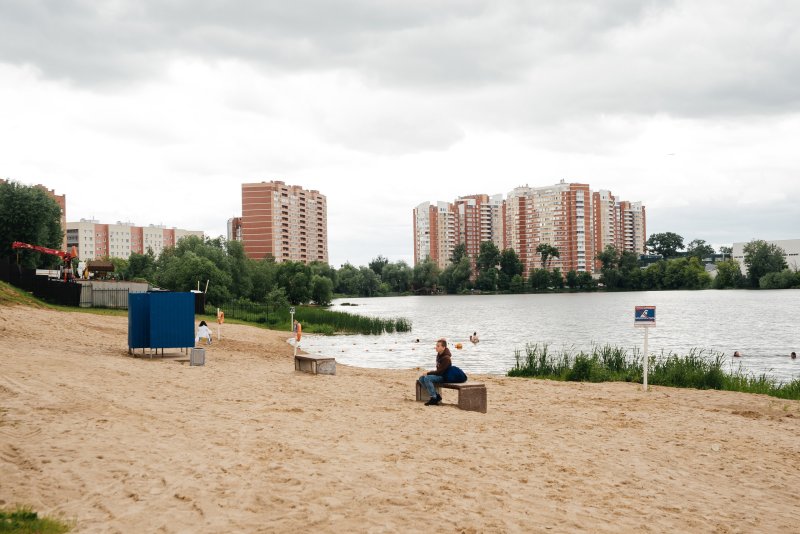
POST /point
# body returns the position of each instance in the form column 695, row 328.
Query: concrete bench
column 315, row 365
column 471, row 395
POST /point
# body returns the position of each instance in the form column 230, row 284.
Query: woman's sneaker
column 433, row 401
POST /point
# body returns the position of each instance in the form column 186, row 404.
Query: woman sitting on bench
column 445, row 372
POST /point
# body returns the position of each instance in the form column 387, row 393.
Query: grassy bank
column 23, row 520
column 315, row 320
column 698, row 369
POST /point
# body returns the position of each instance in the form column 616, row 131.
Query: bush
column 696, row 370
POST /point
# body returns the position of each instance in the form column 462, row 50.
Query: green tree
column 510, row 266
column 320, row 268
column 349, row 280
column 398, row 275
column 30, row 215
column 556, row 278
column 459, row 252
column 141, row 266
column 488, row 257
column 426, row 276
column 572, row 279
column 370, row 282
column 729, row 275
column 180, row 269
column 547, row 252
column 698, row 248
column 377, row 264
column 321, row 290
column 726, row 251
column 586, row 282
column 456, row 276
column 487, row 280
column 275, row 299
column 539, row 279
column 665, row 244
column 517, row 284
column 263, row 274
column 762, row 258
column 785, row 279
column 238, row 265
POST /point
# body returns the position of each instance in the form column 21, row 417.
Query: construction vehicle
column 65, row 256
column 98, row 269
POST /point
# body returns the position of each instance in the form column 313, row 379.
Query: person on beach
column 474, row 337
column 203, row 332
column 298, row 331
column 445, row 372
column 736, row 354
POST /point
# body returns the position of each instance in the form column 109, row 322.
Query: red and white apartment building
column 285, row 222
column 579, row 222
column 96, row 240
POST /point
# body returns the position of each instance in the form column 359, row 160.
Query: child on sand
column 203, row 332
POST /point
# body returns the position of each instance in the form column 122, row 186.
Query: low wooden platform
column 471, row 395
column 315, row 365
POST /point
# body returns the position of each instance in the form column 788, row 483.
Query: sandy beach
column 246, row 444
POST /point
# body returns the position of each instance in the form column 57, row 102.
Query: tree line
column 28, row 214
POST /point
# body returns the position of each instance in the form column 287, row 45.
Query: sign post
column 645, row 317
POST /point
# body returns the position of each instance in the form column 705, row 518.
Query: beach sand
column 246, row 444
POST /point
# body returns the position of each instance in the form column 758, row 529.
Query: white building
column 791, row 248
column 95, row 240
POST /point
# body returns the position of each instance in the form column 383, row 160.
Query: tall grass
column 699, row 370
column 24, row 520
column 313, row 319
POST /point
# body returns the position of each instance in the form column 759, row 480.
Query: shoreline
column 245, row 443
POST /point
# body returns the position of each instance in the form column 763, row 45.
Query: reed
column 699, row 369
column 314, row 320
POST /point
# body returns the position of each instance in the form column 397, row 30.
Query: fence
column 104, row 298
column 63, row 293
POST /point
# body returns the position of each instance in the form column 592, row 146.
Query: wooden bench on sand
column 471, row 395
column 315, row 365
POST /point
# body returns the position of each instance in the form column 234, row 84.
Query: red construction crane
column 65, row 256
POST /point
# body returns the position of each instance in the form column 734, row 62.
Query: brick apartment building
column 95, row 240
column 282, row 221
column 579, row 222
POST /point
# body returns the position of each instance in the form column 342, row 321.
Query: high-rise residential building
column 558, row 215
column 95, row 240
column 519, row 224
column 235, row 229
column 469, row 220
column 285, row 222
column 568, row 216
column 631, row 227
column 435, row 230
column 604, row 214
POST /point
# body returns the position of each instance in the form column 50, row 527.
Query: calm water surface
column 764, row 326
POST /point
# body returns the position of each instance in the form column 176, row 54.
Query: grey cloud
column 726, row 222
column 507, row 64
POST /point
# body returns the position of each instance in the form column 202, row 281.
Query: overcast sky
column 156, row 111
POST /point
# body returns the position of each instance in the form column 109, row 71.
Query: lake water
column 764, row 326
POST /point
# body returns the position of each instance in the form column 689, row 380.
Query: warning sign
column 644, row 316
